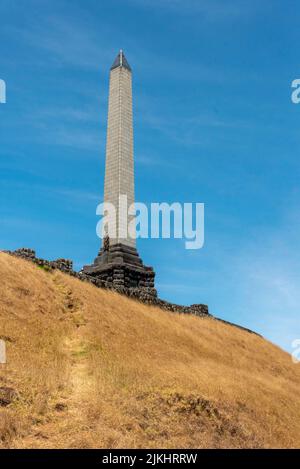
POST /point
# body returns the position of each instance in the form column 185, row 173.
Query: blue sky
column 214, row 123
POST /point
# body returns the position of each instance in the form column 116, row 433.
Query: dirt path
column 53, row 430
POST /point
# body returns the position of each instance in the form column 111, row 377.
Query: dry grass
column 93, row 369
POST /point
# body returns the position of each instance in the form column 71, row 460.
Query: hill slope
column 94, row 369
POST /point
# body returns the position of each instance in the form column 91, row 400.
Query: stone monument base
column 121, row 268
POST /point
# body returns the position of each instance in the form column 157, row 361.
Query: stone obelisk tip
column 121, row 61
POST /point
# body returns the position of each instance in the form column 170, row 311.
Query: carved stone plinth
column 121, row 268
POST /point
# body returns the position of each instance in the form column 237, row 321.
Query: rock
column 7, row 338
column 60, row 407
column 7, row 396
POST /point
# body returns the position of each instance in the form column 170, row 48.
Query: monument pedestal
column 121, row 268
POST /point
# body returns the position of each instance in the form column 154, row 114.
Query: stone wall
column 144, row 294
column 65, row 265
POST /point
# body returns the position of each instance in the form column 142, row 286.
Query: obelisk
column 118, row 264
column 119, row 169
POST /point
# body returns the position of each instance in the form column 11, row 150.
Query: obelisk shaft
column 119, row 169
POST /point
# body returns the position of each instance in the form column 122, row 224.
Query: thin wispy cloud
column 191, row 130
column 268, row 273
column 79, row 195
column 65, row 43
column 83, row 45
column 69, row 114
column 209, row 10
column 76, row 195
column 155, row 160
column 74, row 138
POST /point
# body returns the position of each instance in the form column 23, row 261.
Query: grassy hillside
column 93, row 369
